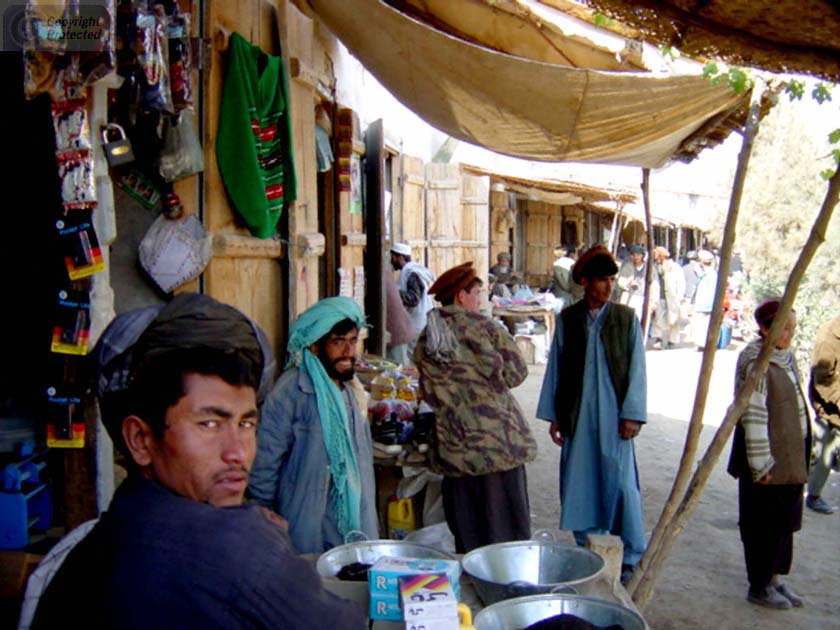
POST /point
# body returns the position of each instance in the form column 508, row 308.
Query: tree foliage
column 782, row 195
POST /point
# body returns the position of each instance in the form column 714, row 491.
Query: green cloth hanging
column 254, row 141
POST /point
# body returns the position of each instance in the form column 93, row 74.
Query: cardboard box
column 427, row 596
column 383, row 582
column 384, row 574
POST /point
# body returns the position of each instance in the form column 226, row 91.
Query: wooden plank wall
column 413, row 207
column 542, row 230
column 458, row 216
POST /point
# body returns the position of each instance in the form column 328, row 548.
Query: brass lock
column 119, row 151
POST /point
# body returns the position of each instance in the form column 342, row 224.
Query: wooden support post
column 375, row 227
column 649, row 257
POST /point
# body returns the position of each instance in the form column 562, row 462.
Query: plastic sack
column 175, row 251
column 182, row 154
column 437, row 536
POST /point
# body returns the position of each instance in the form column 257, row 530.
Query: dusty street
column 704, row 582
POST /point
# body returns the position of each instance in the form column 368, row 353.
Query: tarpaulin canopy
column 522, row 107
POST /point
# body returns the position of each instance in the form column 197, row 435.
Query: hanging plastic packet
column 79, row 245
column 180, row 59
column 70, row 121
column 71, row 325
column 175, row 251
column 78, row 185
column 152, row 48
column 182, row 154
column 141, row 188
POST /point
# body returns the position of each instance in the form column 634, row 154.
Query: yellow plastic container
column 401, row 518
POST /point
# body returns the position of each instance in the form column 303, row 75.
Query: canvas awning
column 521, row 107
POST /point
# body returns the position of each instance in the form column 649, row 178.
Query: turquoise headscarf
column 314, row 323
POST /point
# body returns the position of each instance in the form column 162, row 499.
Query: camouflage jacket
column 479, row 426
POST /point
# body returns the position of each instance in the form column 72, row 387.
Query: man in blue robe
column 594, row 394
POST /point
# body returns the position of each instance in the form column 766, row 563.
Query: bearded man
column 314, row 463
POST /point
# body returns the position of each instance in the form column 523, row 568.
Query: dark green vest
column 616, row 335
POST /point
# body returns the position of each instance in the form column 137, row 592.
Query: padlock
column 119, row 151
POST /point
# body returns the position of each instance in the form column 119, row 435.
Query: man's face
column 598, row 290
column 397, row 261
column 470, row 300
column 637, row 258
column 658, row 257
column 339, row 354
column 209, row 442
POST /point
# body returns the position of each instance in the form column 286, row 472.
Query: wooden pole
column 675, row 527
column 649, row 255
column 695, row 425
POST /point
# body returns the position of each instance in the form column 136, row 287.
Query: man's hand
column 628, row 429
column 554, row 432
column 275, row 518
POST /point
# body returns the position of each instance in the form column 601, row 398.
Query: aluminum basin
column 368, row 551
column 515, row 614
column 530, row 567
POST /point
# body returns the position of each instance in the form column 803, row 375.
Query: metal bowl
column 530, row 567
column 515, row 614
column 368, row 551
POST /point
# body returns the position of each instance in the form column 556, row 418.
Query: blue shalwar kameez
column 599, row 481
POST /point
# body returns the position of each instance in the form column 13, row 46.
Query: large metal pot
column 515, row 614
column 530, row 567
column 367, row 551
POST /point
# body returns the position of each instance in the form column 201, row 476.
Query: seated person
column 178, row 389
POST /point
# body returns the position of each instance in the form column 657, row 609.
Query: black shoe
column 769, row 597
column 818, row 505
column 627, row 573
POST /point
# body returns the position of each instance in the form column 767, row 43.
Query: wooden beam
column 242, row 246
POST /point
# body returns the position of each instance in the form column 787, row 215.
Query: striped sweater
column 755, row 420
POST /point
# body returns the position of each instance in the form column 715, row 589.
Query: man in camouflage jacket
column 481, row 441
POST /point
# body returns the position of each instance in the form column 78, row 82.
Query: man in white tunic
column 594, row 395
column 413, row 283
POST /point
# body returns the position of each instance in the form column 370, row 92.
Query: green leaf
column 834, row 136
column 710, row 70
column 827, row 174
column 739, row 80
column 821, row 93
column 602, row 20
column 835, row 153
column 795, row 89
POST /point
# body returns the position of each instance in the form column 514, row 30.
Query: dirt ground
column 703, row 584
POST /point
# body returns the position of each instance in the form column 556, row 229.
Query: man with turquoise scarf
column 314, row 463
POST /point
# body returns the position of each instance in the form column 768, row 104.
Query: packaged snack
column 70, row 121
column 78, row 184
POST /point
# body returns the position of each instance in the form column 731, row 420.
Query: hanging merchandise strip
column 345, row 148
column 65, row 382
column 73, row 155
column 152, row 45
column 180, row 59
